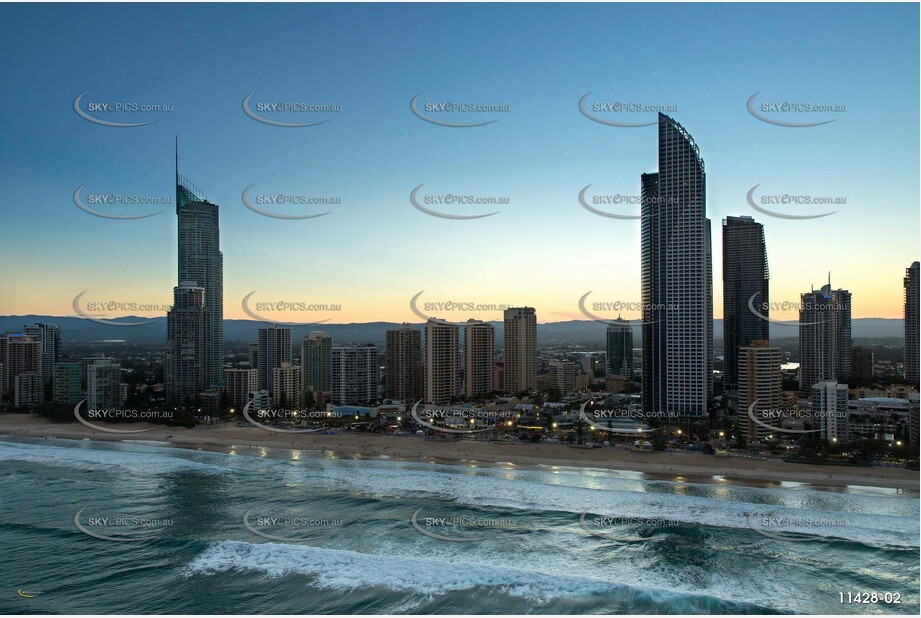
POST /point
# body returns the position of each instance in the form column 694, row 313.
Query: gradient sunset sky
column 374, row 252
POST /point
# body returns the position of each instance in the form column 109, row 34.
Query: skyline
column 537, row 251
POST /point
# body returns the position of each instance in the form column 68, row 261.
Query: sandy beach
column 672, row 465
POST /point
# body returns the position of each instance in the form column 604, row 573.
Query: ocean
column 133, row 527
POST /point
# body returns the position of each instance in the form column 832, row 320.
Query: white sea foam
column 345, row 570
column 730, row 510
column 101, row 459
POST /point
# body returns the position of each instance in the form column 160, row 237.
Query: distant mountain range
column 144, row 330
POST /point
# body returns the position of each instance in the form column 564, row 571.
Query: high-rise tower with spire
column 201, row 263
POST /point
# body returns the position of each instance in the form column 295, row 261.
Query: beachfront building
column 829, row 410
column 355, row 375
column 28, row 389
column 442, row 363
column 676, row 280
column 286, row 386
column 184, row 370
column 49, row 335
column 520, row 349
column 104, row 386
column 404, row 377
column 479, row 358
column 274, row 350
column 201, row 264
column 239, row 383
column 316, row 364
column 66, row 383
column 824, row 337
column 745, row 280
column 760, row 389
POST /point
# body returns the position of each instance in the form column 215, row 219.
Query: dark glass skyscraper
column 677, row 279
column 202, row 263
column 745, row 278
column 619, row 349
column 912, row 351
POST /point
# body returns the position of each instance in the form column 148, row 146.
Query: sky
column 374, row 252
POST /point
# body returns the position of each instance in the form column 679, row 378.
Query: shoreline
column 676, row 466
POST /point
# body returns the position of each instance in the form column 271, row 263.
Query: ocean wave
column 345, row 570
column 529, row 495
column 99, row 459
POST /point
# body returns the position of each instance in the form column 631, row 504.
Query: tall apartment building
column 479, row 358
column 745, row 280
column 286, row 386
column 201, row 264
column 403, row 370
column 677, row 279
column 520, row 349
column 67, row 383
column 760, row 383
column 239, row 383
column 824, row 337
column 316, row 361
column 50, row 337
column 829, row 410
column 619, row 349
column 184, row 370
column 355, row 375
column 104, row 386
column 912, row 344
column 442, row 362
column 274, row 349
column 18, row 354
